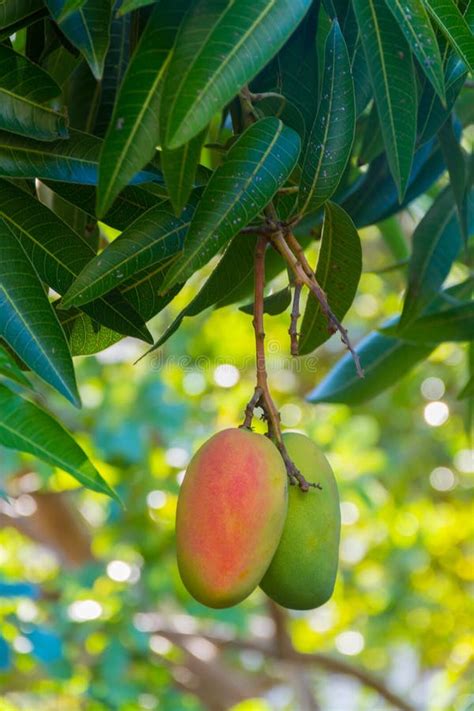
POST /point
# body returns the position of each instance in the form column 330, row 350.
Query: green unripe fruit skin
column 303, row 570
column 231, row 511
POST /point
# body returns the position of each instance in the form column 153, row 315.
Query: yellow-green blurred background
column 92, row 612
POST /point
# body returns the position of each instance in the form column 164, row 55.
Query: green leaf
column 220, row 47
column 59, row 254
column 332, row 134
column 133, row 132
column 10, row 369
column 468, row 390
column 129, row 206
column 60, row 63
column 85, row 336
column 415, row 24
column 431, row 113
column 338, row 273
column 77, row 219
column 257, row 164
column 394, row 237
column 384, row 360
column 156, row 236
column 273, row 304
column 130, row 5
column 231, row 281
column 73, row 161
column 392, row 75
column 372, row 139
column 454, row 26
column 456, row 324
column 454, row 158
column 81, row 93
column 374, row 196
column 143, row 290
column 69, row 6
column 283, row 109
column 13, row 12
column 293, row 74
column 24, row 91
column 27, row 321
column 361, row 77
column 115, row 66
column 436, row 244
column 28, row 428
column 179, row 168
column 87, row 28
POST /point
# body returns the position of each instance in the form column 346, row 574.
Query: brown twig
column 250, row 408
column 295, row 314
column 288, row 189
column 262, row 394
column 292, row 252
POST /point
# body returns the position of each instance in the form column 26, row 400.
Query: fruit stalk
column 262, row 396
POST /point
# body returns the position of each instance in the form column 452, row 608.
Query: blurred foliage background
column 92, row 612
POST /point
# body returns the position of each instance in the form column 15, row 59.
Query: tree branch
column 324, row 661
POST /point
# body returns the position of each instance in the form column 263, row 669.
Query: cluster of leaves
column 352, row 106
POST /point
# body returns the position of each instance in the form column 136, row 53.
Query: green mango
column 303, row 570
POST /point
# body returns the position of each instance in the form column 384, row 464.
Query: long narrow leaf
column 455, row 324
column 87, row 28
column 27, row 321
column 14, row 12
column 179, row 168
column 414, row 21
column 454, row 158
column 132, row 202
column 452, row 23
column 10, row 369
column 133, row 132
column 332, row 134
column 157, row 235
column 25, row 90
column 385, row 360
column 338, row 273
column 58, row 255
column 256, row 165
column 221, row 46
column 436, row 243
column 28, row 428
column 72, row 161
column 392, row 75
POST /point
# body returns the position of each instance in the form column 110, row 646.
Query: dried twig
column 293, row 254
column 295, row 314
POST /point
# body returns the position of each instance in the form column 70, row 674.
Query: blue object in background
column 5, row 655
column 19, row 590
column 47, row 646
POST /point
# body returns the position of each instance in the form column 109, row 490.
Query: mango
column 231, row 511
column 303, row 571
